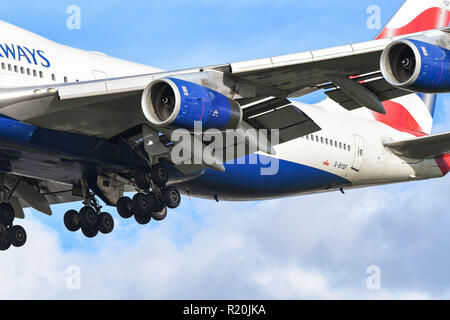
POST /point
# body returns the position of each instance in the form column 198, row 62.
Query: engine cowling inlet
column 176, row 103
column 416, row 66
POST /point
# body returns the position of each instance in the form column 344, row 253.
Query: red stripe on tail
column 444, row 164
column 432, row 18
column 399, row 118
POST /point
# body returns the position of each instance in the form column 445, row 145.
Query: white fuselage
column 364, row 161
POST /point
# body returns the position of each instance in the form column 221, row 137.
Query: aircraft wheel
column 105, row 223
column 155, row 204
column 88, row 218
column 142, row 219
column 172, row 197
column 17, row 236
column 141, row 204
column 7, row 214
column 72, row 220
column 5, row 243
column 89, row 232
column 125, row 207
column 142, row 179
column 161, row 215
column 159, row 175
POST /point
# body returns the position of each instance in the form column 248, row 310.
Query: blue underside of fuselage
column 245, row 182
column 59, row 156
column 64, row 157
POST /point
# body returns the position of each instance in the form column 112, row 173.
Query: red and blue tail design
column 414, row 113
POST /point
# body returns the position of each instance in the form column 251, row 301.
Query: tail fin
column 414, row 113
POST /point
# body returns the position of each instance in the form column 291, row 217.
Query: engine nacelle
column 417, row 66
column 175, row 103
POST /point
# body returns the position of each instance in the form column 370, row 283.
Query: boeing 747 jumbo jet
column 98, row 127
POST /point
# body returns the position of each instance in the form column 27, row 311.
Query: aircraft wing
column 428, row 147
column 107, row 107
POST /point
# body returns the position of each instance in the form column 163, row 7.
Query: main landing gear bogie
column 151, row 203
column 10, row 234
column 90, row 221
column 148, row 205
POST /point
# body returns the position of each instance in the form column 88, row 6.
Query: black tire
column 5, row 243
column 105, row 223
column 155, row 204
column 17, row 235
column 172, row 197
column 72, row 220
column 142, row 219
column 160, row 216
column 7, row 214
column 142, row 179
column 89, row 232
column 159, row 174
column 141, row 204
column 88, row 218
column 125, row 207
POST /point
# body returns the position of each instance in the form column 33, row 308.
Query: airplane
column 83, row 126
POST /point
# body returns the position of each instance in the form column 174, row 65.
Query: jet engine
column 175, row 103
column 416, row 66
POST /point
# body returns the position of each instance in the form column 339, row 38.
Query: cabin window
column 41, row 74
column 3, row 66
column 53, row 77
column 65, row 80
column 16, row 69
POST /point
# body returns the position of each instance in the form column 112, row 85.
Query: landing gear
column 141, row 204
column 172, row 197
column 90, row 219
column 105, row 223
column 159, row 175
column 160, row 215
column 72, row 220
column 5, row 243
column 6, row 214
column 10, row 234
column 17, row 236
column 89, row 232
column 125, row 207
column 142, row 219
column 148, row 205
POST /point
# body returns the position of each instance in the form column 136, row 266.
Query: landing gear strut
column 148, row 205
column 10, row 234
column 90, row 219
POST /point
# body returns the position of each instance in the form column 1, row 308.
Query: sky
column 313, row 247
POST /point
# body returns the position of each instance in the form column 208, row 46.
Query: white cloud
column 298, row 248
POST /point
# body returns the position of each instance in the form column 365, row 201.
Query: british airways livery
column 100, row 127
